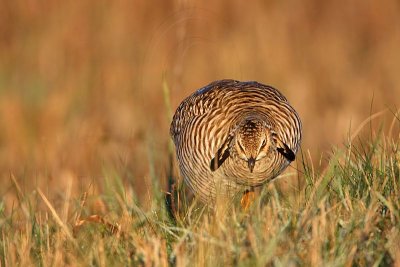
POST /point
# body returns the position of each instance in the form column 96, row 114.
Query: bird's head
column 252, row 141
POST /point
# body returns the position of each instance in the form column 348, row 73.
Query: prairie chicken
column 232, row 136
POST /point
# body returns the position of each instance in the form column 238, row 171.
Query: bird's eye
column 264, row 143
column 240, row 146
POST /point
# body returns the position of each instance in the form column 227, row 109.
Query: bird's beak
column 251, row 161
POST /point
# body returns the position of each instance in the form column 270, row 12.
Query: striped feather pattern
column 227, row 123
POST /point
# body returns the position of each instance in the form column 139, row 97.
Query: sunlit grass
column 87, row 91
column 348, row 214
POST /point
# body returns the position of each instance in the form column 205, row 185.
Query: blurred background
column 81, row 82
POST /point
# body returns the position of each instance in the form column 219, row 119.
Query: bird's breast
column 237, row 170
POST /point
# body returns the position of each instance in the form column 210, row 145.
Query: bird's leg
column 247, row 198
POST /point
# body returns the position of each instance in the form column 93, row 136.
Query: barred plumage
column 232, row 135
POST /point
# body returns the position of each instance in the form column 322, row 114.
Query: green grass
column 347, row 214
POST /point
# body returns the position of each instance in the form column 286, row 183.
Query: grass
column 347, row 214
column 84, row 160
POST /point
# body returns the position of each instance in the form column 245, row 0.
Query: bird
column 233, row 136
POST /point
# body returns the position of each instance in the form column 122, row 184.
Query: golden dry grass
column 82, row 105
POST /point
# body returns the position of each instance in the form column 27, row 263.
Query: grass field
column 348, row 214
column 87, row 89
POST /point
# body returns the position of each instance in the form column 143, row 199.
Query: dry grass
column 348, row 214
column 85, row 109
